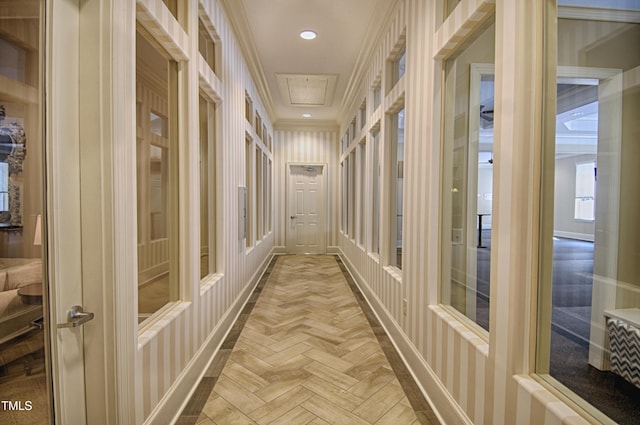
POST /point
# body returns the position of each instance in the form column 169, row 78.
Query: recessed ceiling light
column 308, row 34
column 306, row 115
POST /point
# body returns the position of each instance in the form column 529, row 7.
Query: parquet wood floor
column 306, row 354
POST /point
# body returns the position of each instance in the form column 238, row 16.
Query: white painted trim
column 552, row 393
column 333, row 250
column 455, row 30
column 598, row 14
column 177, row 397
column 606, row 250
column 306, row 125
column 631, row 78
column 164, row 28
column 572, row 235
column 125, row 266
column 279, row 250
column 61, row 113
column 444, row 406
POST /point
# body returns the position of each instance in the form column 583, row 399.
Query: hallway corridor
column 307, row 350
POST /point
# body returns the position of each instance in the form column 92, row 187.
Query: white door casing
column 306, row 205
column 90, row 123
column 63, row 208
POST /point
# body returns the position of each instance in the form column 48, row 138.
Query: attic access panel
column 307, row 89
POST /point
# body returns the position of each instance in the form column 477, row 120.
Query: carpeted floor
column 571, row 317
column 23, row 378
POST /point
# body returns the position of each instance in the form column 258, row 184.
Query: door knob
column 76, row 317
column 292, row 217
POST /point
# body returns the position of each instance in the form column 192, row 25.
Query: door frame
column 90, row 123
column 63, row 250
column 606, row 240
column 610, row 83
column 289, row 200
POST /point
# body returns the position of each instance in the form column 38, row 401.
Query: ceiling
column 296, row 76
column 576, row 117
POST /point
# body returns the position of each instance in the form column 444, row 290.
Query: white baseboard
column 279, row 250
column 442, row 403
column 175, row 400
column 334, row 250
column 282, row 250
column 573, row 235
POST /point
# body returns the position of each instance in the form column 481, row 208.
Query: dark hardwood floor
column 571, row 317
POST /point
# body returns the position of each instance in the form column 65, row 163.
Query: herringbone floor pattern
column 307, row 355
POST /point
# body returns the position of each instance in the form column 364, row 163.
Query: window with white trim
column 589, row 287
column 467, row 183
column 396, row 162
column 157, row 177
column 375, row 192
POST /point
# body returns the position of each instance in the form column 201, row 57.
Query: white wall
column 564, row 204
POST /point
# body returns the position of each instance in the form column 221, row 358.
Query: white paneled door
column 306, row 207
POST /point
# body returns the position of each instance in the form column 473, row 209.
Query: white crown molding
column 598, row 14
column 240, row 24
column 306, row 125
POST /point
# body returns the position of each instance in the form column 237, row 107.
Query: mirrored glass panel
column 156, row 91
